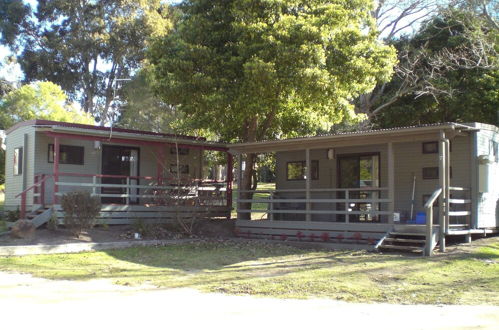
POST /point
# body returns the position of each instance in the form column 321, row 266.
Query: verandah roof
column 368, row 137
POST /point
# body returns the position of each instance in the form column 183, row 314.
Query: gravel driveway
column 34, row 303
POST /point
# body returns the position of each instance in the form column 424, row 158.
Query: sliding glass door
column 359, row 171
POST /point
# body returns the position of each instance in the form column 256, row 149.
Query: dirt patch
column 64, row 236
column 116, row 233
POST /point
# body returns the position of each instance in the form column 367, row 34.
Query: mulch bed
column 117, row 233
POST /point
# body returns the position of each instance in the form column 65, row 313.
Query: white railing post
column 391, row 182
column 447, row 185
column 127, row 190
column 429, row 221
column 442, row 174
column 271, row 207
column 347, row 206
column 429, row 231
column 94, row 186
column 308, row 178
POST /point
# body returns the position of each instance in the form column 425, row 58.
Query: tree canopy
column 452, row 73
column 84, row 46
column 252, row 70
column 40, row 100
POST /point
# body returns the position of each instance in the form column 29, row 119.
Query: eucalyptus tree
column 253, row 70
column 84, row 46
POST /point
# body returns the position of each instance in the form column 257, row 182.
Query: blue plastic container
column 420, row 218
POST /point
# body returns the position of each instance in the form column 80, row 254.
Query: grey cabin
column 404, row 188
column 136, row 174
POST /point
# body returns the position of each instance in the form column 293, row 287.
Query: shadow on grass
column 280, row 270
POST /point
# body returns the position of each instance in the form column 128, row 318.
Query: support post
column 36, row 199
column 239, row 181
column 442, row 204
column 429, row 231
column 447, row 186
column 308, row 180
column 228, row 177
column 127, row 198
column 391, row 182
column 94, row 185
column 160, row 163
column 56, row 169
column 22, row 212
column 347, row 206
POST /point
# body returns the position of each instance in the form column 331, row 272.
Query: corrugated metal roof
column 51, row 123
column 370, row 131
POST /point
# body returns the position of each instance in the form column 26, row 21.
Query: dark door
column 119, row 161
column 359, row 171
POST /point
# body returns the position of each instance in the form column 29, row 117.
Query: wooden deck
column 113, row 214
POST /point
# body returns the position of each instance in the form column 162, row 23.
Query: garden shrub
column 13, row 216
column 80, row 211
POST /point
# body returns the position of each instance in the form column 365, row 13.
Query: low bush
column 13, row 216
column 80, row 211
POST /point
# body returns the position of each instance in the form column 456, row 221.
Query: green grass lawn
column 282, row 271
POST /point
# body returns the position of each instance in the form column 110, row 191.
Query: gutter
column 103, row 134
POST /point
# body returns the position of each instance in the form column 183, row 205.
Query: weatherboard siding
column 488, row 202
column 14, row 183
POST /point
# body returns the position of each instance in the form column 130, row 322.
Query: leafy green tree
column 141, row 109
column 252, row 70
column 83, row 46
column 41, row 100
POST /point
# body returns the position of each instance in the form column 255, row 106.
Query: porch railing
column 366, row 204
column 148, row 190
column 444, row 219
column 192, row 193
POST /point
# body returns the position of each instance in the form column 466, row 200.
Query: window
column 495, row 150
column 18, row 161
column 297, row 170
column 184, row 169
column 430, row 147
column 67, row 154
column 430, row 173
column 181, row 151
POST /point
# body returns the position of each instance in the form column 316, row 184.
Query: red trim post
column 42, row 190
column 56, row 169
column 230, row 162
column 36, row 199
column 23, row 205
column 160, row 164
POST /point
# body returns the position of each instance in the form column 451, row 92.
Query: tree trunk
column 246, row 185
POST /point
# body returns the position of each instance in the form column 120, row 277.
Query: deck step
column 404, row 240
column 397, row 233
column 402, row 247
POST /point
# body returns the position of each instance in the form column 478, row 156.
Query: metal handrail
column 429, row 221
column 23, row 194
